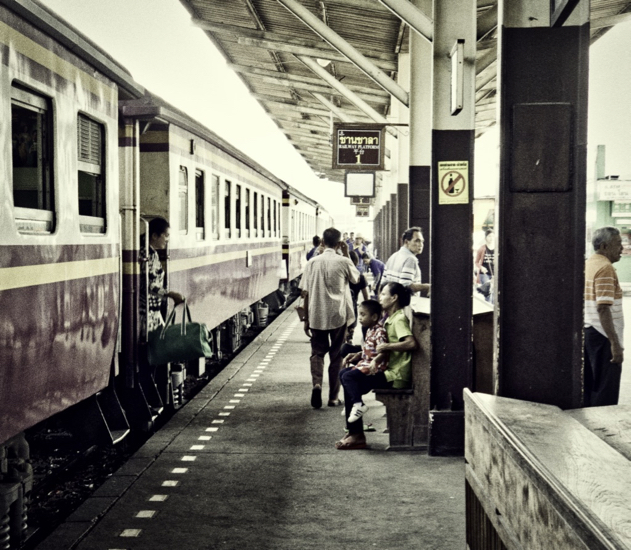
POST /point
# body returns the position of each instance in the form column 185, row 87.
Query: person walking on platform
column 485, row 265
column 402, row 267
column 316, row 244
column 385, row 360
column 329, row 310
column 376, row 267
column 604, row 321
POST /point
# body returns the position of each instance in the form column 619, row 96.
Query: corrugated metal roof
column 261, row 40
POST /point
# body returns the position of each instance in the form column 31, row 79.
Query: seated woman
column 374, row 370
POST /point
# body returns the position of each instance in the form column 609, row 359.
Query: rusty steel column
column 541, row 203
column 451, row 190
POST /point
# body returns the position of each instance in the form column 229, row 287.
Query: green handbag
column 181, row 342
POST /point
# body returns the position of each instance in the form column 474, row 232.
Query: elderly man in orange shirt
column 604, row 322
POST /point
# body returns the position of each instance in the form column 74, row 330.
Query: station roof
column 281, row 59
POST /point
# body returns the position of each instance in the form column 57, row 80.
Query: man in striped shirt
column 402, row 267
column 604, row 322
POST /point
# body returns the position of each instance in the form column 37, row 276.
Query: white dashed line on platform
column 179, row 470
column 131, row 533
column 146, row 514
column 158, row 498
column 170, row 483
column 188, row 458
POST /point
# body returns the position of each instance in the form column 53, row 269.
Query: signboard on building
column 361, row 211
column 358, row 146
column 614, row 190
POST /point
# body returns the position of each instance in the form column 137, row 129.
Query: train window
column 262, row 215
column 32, row 132
column 269, row 217
column 200, row 222
column 255, row 214
column 247, row 212
column 183, row 199
column 214, row 205
column 228, row 220
column 91, row 165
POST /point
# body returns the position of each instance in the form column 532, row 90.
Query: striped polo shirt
column 402, row 267
column 602, row 287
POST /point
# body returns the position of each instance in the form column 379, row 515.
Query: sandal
column 347, row 445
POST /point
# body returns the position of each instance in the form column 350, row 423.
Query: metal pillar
column 403, row 212
column 420, row 136
column 394, row 222
column 541, row 221
column 452, row 221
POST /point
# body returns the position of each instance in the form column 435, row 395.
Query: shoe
column 357, row 412
column 350, row 443
column 316, row 397
column 334, row 403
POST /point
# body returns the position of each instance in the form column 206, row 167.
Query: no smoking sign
column 453, row 182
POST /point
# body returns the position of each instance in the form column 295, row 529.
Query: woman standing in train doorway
column 485, row 265
column 151, row 318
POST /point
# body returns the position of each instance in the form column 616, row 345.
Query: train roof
column 151, row 106
column 58, row 28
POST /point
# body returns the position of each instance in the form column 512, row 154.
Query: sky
column 156, row 41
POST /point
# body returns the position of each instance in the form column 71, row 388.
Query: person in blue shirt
column 316, row 243
column 376, row 267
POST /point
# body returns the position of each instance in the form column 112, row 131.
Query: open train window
column 275, row 221
column 183, row 199
column 262, row 215
column 91, row 174
column 226, row 204
column 200, row 219
column 33, row 191
column 247, row 212
column 255, row 214
column 214, row 206
column 269, row 217
column 237, row 210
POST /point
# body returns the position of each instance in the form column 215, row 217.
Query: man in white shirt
column 604, row 321
column 329, row 310
column 402, row 267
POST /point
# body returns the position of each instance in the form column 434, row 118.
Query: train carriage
column 59, row 222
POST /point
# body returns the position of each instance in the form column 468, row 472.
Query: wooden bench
column 539, row 477
column 407, row 410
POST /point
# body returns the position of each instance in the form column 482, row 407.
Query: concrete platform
column 248, row 464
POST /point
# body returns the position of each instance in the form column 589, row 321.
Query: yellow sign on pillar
column 453, row 182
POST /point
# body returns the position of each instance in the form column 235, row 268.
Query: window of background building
column 200, row 218
column 183, row 199
column 227, row 218
column 214, row 206
column 31, row 133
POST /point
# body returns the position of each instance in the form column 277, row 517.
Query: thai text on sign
column 358, row 147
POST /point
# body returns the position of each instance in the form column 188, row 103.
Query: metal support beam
column 320, row 53
column 602, row 22
column 362, row 62
column 413, row 16
column 342, row 89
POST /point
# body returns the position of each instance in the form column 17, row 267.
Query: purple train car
column 88, row 158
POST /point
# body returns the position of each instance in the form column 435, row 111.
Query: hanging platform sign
column 358, row 146
column 362, row 211
column 357, row 201
column 453, row 182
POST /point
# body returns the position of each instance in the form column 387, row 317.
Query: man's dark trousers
column 602, row 377
column 323, row 342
